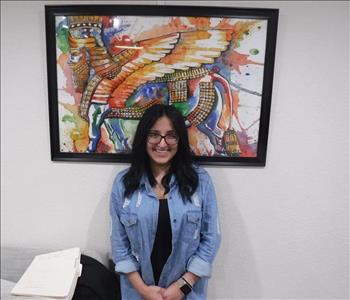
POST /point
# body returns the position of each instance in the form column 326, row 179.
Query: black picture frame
column 228, row 153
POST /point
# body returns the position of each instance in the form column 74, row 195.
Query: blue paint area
column 192, row 101
column 214, row 140
column 110, row 32
column 95, row 124
column 213, row 117
column 117, row 134
column 148, row 92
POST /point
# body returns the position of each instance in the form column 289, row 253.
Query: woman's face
column 161, row 152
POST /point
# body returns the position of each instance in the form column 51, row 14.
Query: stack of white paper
column 51, row 276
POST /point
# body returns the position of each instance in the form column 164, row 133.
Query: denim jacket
column 195, row 234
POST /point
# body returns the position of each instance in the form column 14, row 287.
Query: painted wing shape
column 150, row 51
column 134, row 59
column 192, row 50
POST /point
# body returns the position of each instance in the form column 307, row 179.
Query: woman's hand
column 147, row 292
column 172, row 292
column 152, row 292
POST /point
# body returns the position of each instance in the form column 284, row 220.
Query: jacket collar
column 144, row 182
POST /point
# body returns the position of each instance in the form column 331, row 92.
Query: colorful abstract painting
column 111, row 68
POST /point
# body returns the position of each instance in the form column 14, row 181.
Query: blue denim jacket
column 195, row 234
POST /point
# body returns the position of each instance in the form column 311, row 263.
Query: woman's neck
column 159, row 171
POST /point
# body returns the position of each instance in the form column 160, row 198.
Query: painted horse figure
column 121, row 78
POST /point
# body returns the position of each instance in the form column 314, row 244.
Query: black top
column 162, row 243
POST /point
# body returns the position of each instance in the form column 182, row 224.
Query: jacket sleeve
column 200, row 263
column 125, row 261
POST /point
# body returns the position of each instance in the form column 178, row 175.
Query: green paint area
column 254, row 51
column 126, row 128
column 130, row 101
column 62, row 40
column 129, row 127
column 182, row 107
column 68, row 118
column 95, row 115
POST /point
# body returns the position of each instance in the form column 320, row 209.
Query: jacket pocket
column 192, row 226
column 130, row 222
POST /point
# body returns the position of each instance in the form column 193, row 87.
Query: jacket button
column 174, row 220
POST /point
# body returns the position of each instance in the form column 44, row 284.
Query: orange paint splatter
column 235, row 102
column 225, row 118
column 175, row 25
column 200, row 144
column 193, row 138
column 200, row 22
column 235, row 60
column 225, row 23
column 237, row 30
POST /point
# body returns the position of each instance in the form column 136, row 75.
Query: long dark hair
column 181, row 164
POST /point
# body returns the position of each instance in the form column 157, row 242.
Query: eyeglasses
column 155, row 138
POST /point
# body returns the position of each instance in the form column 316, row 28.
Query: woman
column 165, row 229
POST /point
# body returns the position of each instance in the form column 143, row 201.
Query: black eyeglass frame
column 162, row 137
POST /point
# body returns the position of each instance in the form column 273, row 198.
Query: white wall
column 285, row 226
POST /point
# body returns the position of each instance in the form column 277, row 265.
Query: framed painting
column 108, row 63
